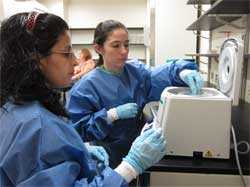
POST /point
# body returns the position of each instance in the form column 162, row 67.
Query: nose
column 124, row 49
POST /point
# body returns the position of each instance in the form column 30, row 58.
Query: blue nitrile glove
column 126, row 111
column 193, row 79
column 98, row 152
column 146, row 150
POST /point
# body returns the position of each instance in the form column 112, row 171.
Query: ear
column 43, row 63
column 98, row 49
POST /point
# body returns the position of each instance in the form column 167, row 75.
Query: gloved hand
column 126, row 111
column 147, row 149
column 98, row 152
column 193, row 79
column 146, row 127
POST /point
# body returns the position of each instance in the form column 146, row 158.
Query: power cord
column 195, row 33
column 237, row 156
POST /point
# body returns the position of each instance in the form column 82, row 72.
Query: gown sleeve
column 166, row 75
column 48, row 152
column 87, row 114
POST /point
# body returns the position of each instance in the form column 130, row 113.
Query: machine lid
column 230, row 69
column 185, row 91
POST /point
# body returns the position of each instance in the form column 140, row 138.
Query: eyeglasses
column 70, row 55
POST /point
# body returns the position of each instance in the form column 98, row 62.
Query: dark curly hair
column 20, row 52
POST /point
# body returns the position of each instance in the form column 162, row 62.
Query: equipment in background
column 199, row 125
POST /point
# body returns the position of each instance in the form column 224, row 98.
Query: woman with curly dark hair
column 38, row 146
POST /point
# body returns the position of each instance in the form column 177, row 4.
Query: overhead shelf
column 228, row 10
column 139, row 44
column 82, row 28
column 82, row 44
column 230, row 7
column 192, row 2
column 210, row 55
column 208, row 23
column 93, row 28
column 203, row 54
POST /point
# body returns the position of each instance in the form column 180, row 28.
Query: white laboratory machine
column 199, row 125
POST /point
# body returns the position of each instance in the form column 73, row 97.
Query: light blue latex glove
column 146, row 150
column 98, row 152
column 126, row 111
column 193, row 79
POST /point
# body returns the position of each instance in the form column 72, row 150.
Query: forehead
column 117, row 35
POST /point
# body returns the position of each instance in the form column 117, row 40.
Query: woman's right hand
column 146, row 150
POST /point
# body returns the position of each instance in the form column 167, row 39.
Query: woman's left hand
column 193, row 79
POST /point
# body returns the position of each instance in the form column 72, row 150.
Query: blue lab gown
column 93, row 95
column 37, row 148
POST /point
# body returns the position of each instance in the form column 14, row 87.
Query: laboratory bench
column 203, row 165
column 179, row 164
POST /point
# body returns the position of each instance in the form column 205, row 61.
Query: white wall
column 11, row 7
column 172, row 40
column 1, row 11
column 55, row 6
column 88, row 13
